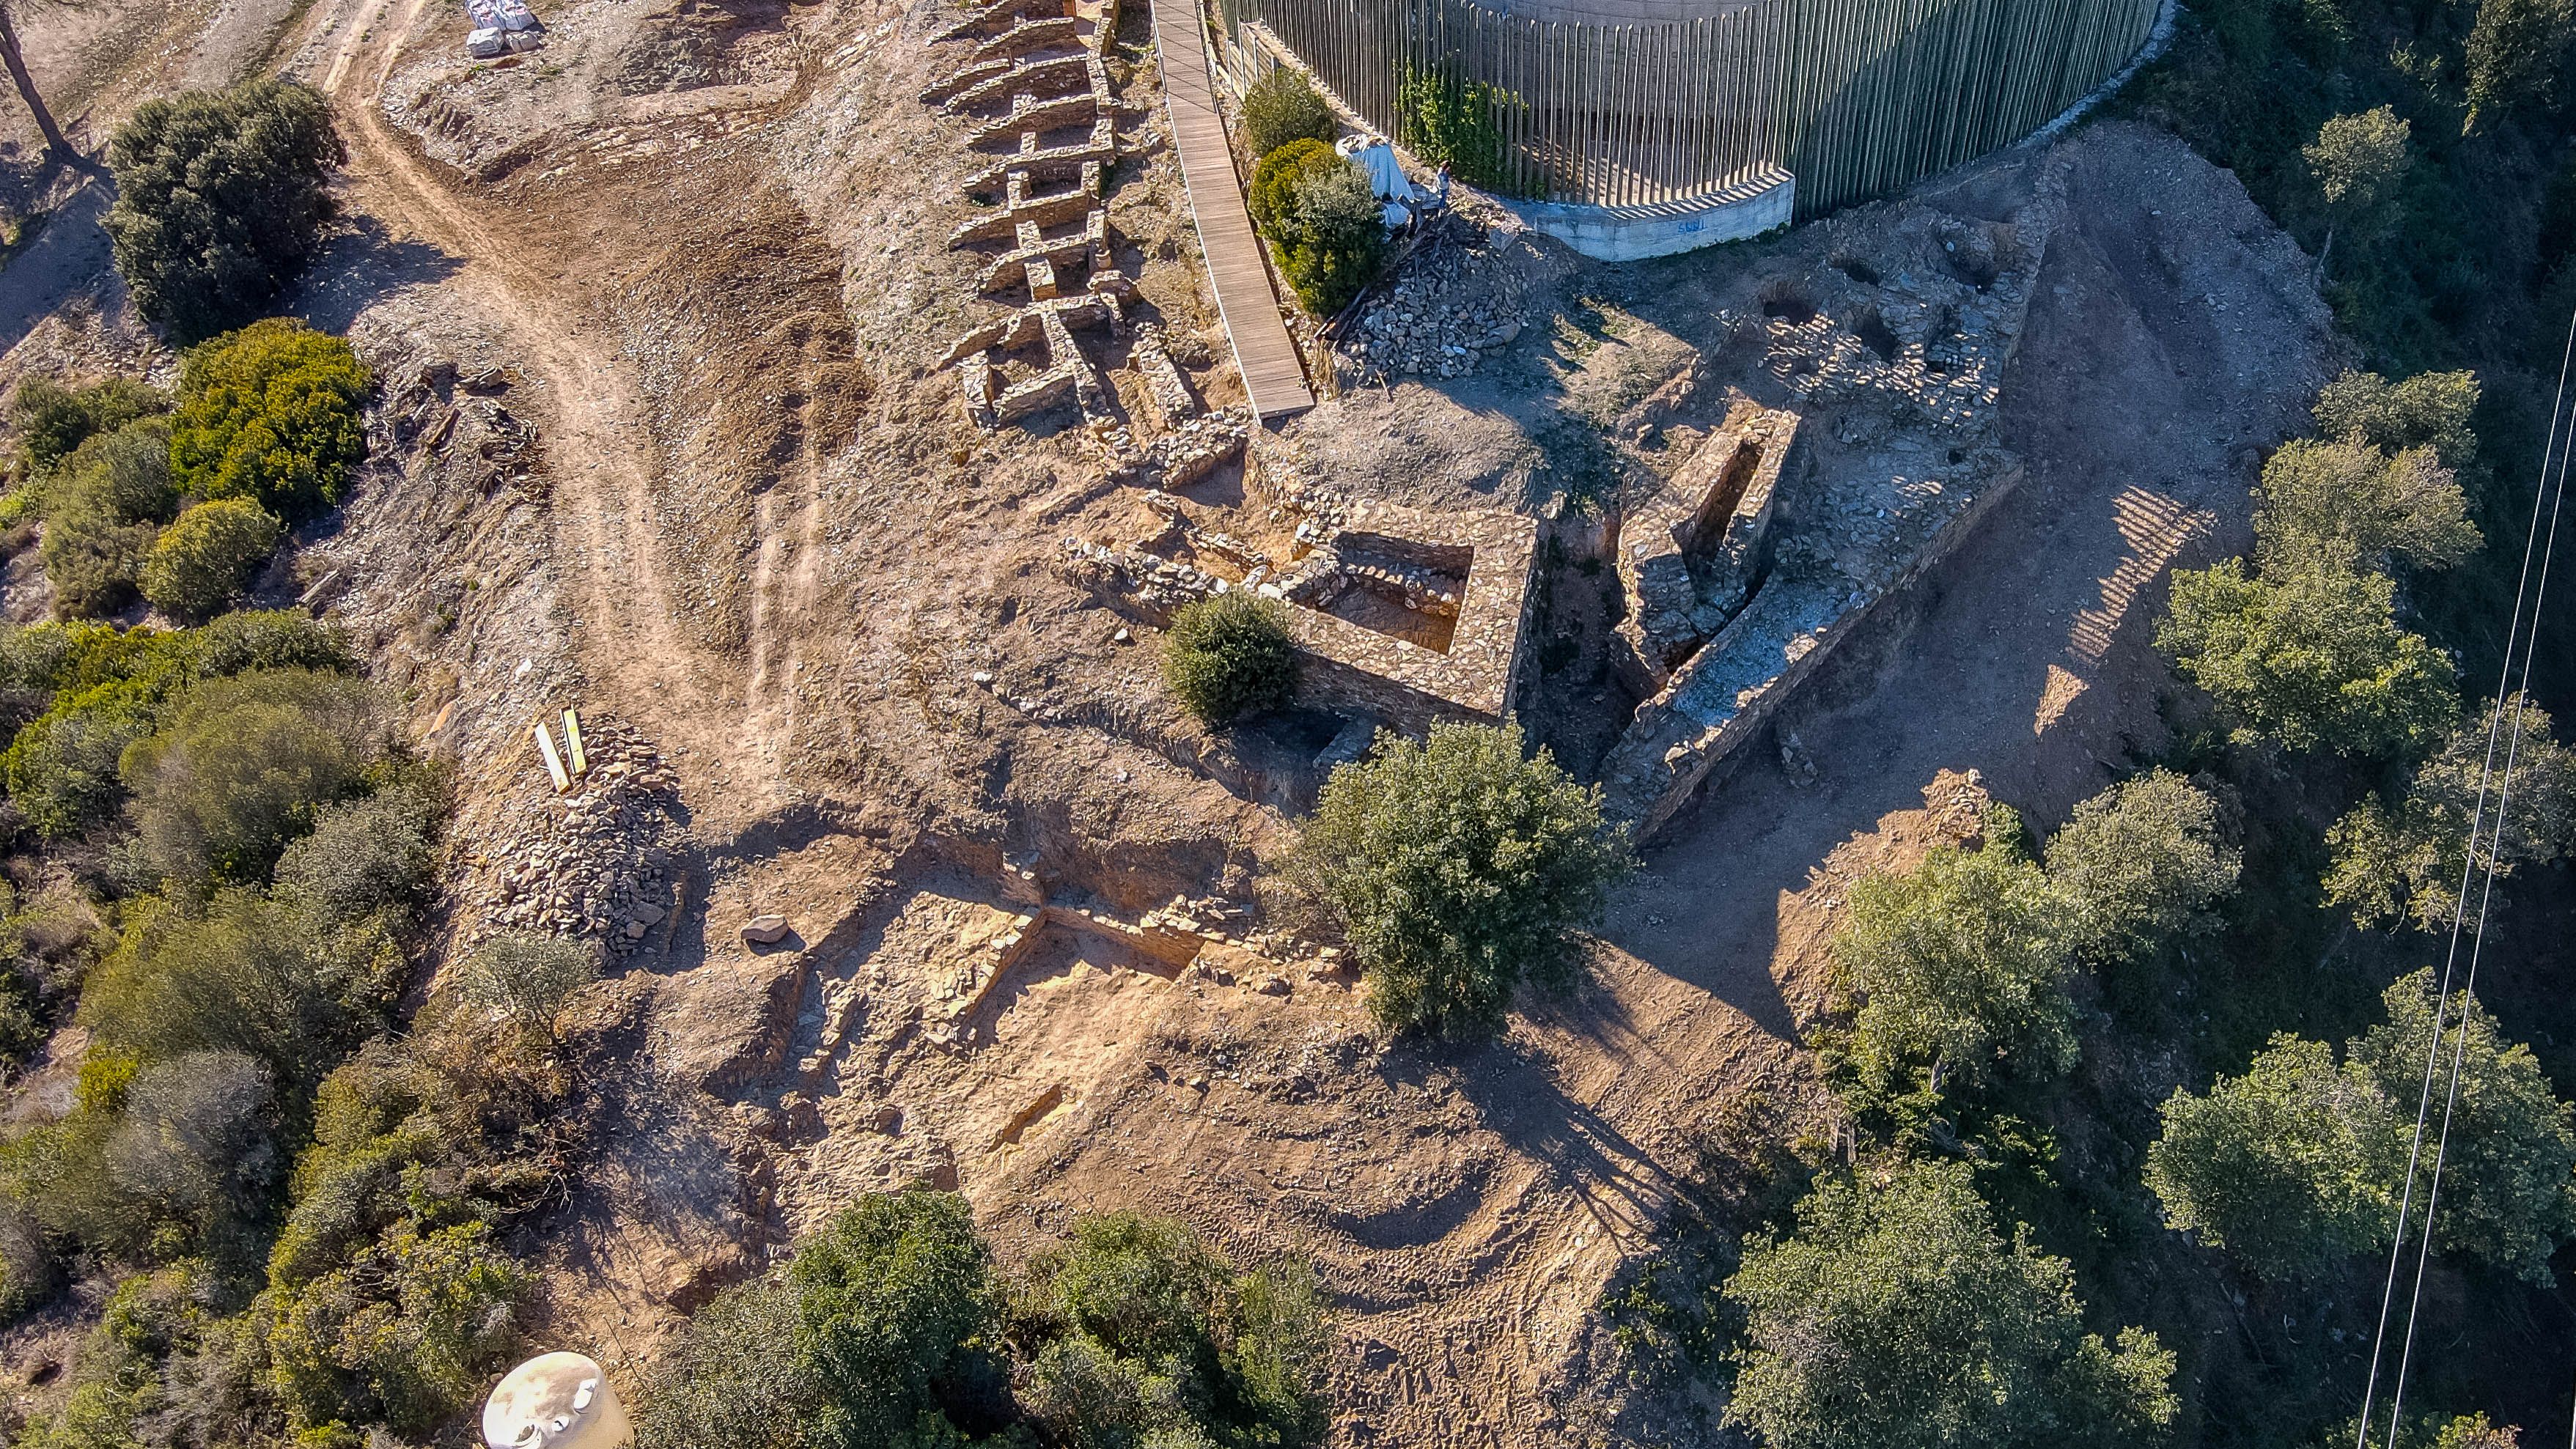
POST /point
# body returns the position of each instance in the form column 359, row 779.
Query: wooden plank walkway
column 1273, row 375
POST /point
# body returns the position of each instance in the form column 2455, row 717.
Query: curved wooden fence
column 1857, row 97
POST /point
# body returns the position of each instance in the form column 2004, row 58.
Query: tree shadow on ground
column 362, row 266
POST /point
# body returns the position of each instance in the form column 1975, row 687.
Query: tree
column 2357, row 162
column 1895, row 1317
column 1457, row 868
column 2406, row 861
column 221, row 195
column 2428, row 410
column 2508, row 1193
column 898, row 1312
column 2311, row 659
column 526, row 979
column 2349, row 506
column 199, row 564
column 1229, row 656
column 2141, row 865
column 2297, row 1165
column 271, row 414
column 2513, row 53
column 55, row 146
column 1281, row 107
column 1959, row 964
column 2287, row 1167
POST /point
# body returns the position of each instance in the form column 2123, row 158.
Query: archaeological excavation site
column 1138, row 724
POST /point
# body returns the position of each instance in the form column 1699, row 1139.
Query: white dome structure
column 556, row 1401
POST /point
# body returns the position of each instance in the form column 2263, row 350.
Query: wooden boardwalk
column 1272, row 373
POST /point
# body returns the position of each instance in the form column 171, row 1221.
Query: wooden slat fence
column 1857, row 97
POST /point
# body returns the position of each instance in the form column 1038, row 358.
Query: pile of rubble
column 1453, row 301
column 453, row 414
column 593, row 863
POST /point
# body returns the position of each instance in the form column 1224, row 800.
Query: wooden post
column 580, row 762
column 554, row 762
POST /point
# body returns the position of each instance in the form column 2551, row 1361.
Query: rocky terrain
column 663, row 436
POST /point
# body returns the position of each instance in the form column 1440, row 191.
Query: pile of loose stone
column 594, row 863
column 1452, row 303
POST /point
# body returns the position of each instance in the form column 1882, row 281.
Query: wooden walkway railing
column 1272, row 374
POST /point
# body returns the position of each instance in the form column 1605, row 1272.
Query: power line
column 2552, row 493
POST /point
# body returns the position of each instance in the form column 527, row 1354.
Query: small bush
column 249, row 639
column 53, row 419
column 131, row 465
column 193, row 1151
column 1229, row 656
column 200, row 563
column 91, row 559
column 1281, row 107
column 1458, row 123
column 220, row 197
column 1457, row 868
column 270, row 414
column 28, row 1274
column 526, row 979
column 405, row 1332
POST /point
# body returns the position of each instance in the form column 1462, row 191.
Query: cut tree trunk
column 55, row 145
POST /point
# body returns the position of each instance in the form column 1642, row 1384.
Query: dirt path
column 601, row 461
column 2162, row 350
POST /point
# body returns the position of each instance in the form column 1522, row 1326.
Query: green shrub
column 28, row 1273
column 406, row 1332
column 52, row 419
column 2313, row 659
column 270, row 414
column 368, row 858
column 1895, row 1317
column 1271, row 198
column 1281, row 107
column 193, row 1154
column 736, row 1379
column 132, row 464
column 220, row 197
column 1341, row 238
column 1457, row 868
column 92, row 560
column 1229, row 656
column 1143, row 1334
column 897, row 1311
column 243, row 766
column 200, row 563
column 109, row 687
column 526, row 979
column 238, row 973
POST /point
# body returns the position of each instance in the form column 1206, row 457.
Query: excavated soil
column 656, row 311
